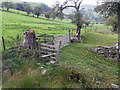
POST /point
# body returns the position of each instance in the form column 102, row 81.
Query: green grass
column 79, row 55
column 17, row 23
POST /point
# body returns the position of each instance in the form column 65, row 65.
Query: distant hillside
column 15, row 1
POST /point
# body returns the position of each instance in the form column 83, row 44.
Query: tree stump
column 29, row 39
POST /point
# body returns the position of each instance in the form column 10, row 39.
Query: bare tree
column 75, row 4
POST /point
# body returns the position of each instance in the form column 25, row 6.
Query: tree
column 45, row 7
column 38, row 11
column 7, row 5
column 3, row 5
column 112, row 21
column 47, row 15
column 75, row 4
column 111, row 9
column 28, row 9
column 19, row 6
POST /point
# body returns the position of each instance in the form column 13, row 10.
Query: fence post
column 85, row 28
column 69, row 36
column 44, row 38
column 58, row 52
column 3, row 42
column 72, row 32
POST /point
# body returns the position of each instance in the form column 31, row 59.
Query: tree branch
column 80, row 4
column 67, row 6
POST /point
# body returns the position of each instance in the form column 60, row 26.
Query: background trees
column 38, row 11
column 7, row 5
column 112, row 21
column 28, row 9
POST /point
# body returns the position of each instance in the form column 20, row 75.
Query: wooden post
column 58, row 52
column 85, row 28
column 3, row 42
column 45, row 38
column 72, row 32
column 53, row 40
column 69, row 36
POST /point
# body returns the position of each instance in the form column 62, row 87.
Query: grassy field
column 90, row 66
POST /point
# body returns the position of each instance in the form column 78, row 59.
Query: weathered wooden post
column 85, row 28
column 72, row 32
column 58, row 52
column 3, row 42
column 69, row 36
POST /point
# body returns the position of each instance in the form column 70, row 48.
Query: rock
column 114, row 86
column 38, row 63
column 74, row 39
column 52, row 62
column 48, row 63
column 43, row 72
column 41, row 67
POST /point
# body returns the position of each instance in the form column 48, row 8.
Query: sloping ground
column 15, row 22
column 78, row 55
column 83, row 59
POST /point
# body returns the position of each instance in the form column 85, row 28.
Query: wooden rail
column 46, row 40
column 50, row 52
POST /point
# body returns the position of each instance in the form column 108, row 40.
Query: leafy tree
column 28, row 9
column 112, row 21
column 38, row 11
column 20, row 6
column 45, row 7
column 47, row 15
column 7, row 5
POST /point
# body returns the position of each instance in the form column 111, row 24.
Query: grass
column 21, row 23
column 90, row 66
column 82, row 58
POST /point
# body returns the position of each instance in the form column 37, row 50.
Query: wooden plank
column 3, row 42
column 48, row 49
column 45, row 41
column 54, row 58
column 46, row 36
column 44, row 56
column 47, row 45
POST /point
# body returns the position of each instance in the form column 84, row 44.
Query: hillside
column 79, row 56
column 15, row 22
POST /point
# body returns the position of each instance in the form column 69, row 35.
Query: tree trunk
column 119, row 32
column 78, row 31
column 7, row 9
column 37, row 16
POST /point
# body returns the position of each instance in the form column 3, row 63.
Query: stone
column 43, row 72
column 52, row 62
column 41, row 67
column 74, row 39
column 48, row 63
column 38, row 63
column 114, row 86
